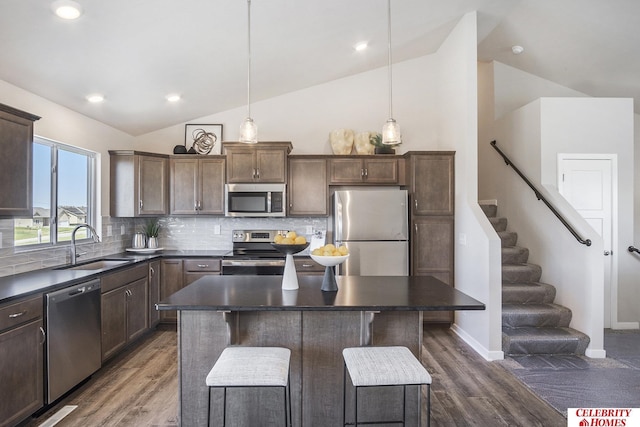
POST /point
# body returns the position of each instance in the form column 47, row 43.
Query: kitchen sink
column 97, row 265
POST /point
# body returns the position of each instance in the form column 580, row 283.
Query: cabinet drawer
column 20, row 312
column 116, row 279
column 202, row 264
column 307, row 265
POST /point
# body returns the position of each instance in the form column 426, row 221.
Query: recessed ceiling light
column 95, row 98
column 174, row 97
column 67, row 9
column 361, row 46
column 517, row 50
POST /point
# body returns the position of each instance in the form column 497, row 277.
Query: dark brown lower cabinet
column 125, row 308
column 21, row 375
column 154, row 292
column 171, row 281
column 432, row 249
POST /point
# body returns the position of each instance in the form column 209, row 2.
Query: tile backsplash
column 176, row 233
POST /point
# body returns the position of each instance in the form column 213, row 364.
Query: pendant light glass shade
column 391, row 134
column 248, row 128
column 248, row 131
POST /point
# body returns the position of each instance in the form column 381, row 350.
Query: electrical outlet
column 109, row 230
column 122, row 230
column 462, row 239
column 216, row 229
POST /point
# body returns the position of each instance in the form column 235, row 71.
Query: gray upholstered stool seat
column 251, row 367
column 382, row 367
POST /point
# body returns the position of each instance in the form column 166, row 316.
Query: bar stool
column 383, row 367
column 251, row 367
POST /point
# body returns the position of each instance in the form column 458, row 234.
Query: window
column 63, row 195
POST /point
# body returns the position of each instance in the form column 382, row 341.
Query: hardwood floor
column 139, row 388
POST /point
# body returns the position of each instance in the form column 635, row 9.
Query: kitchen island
column 217, row 311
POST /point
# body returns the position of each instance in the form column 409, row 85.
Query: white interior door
column 586, row 183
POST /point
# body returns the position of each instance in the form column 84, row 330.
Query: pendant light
column 391, row 130
column 248, row 129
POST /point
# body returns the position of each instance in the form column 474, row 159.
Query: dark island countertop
column 265, row 293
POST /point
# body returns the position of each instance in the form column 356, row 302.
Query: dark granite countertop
column 50, row 279
column 261, row 293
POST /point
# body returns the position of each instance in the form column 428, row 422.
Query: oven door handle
column 253, row 263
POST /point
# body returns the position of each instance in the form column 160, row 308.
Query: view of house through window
column 63, row 195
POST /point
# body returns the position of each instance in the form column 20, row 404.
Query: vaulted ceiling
column 135, row 52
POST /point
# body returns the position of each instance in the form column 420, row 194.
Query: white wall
column 306, row 117
column 458, row 130
column 601, row 126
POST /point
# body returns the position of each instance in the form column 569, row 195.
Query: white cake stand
column 290, row 277
column 329, row 283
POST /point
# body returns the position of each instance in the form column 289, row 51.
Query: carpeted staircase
column 531, row 322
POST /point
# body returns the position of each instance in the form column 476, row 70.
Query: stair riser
column 560, row 317
column 489, row 210
column 521, row 273
column 573, row 346
column 514, row 255
column 508, row 238
column 514, row 294
column 499, row 224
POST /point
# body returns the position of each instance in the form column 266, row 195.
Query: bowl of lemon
column 290, row 243
column 329, row 255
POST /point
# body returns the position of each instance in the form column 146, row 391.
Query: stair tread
column 542, row 333
column 539, row 307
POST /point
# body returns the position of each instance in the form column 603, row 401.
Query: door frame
column 613, row 158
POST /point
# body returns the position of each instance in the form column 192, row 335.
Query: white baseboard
column 595, row 354
column 488, row 202
column 479, row 348
column 625, row 325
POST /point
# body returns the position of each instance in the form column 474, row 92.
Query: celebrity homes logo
column 603, row 417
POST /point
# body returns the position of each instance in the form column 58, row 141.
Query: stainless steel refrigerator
column 373, row 224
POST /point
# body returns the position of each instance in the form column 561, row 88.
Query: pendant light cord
column 389, row 49
column 249, row 58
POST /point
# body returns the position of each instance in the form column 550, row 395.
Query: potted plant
column 376, row 140
column 151, row 229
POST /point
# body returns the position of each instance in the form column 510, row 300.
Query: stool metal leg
column 344, row 395
column 209, row 409
column 428, row 405
column 224, row 407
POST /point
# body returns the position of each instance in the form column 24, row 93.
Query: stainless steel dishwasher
column 73, row 337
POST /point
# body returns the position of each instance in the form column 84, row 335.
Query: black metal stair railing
column 539, row 196
column 633, row 249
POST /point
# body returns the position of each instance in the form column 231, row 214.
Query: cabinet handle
column 416, row 203
column 141, row 204
column 44, row 336
column 307, row 265
column 14, row 315
column 361, row 172
column 199, row 205
column 253, row 173
column 203, row 265
column 366, row 172
column 128, row 293
column 258, row 173
column 416, row 227
column 152, row 271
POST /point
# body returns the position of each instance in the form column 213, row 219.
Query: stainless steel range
column 253, row 254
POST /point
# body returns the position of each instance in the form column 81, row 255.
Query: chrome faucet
column 74, row 254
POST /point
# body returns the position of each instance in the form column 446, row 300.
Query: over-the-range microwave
column 255, row 200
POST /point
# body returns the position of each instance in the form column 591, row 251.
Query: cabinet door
column 152, row 185
column 433, row 184
column 21, row 375
column 211, row 186
column 240, row 166
column 16, row 141
column 346, row 171
column 381, row 171
column 183, row 187
column 271, row 165
column 171, row 281
column 432, row 255
column 114, row 325
column 154, row 292
column 307, row 189
column 137, row 306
